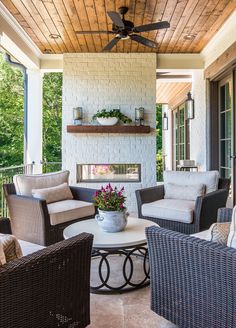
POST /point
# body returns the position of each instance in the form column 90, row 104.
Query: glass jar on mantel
column 139, row 116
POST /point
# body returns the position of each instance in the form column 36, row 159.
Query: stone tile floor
column 127, row 310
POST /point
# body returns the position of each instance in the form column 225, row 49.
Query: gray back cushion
column 210, row 179
column 25, row 183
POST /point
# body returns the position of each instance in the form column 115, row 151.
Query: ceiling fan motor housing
column 128, row 27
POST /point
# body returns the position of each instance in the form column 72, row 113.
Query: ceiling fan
column 124, row 29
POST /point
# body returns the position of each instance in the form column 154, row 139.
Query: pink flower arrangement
column 109, row 199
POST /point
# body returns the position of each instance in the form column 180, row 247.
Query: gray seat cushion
column 68, row 210
column 206, row 235
column 170, row 209
column 29, row 248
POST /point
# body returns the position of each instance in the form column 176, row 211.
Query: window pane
column 222, row 98
column 225, row 153
column 182, row 151
column 182, row 117
column 227, row 97
column 228, row 124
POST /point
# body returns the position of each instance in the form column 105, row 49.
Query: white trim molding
column 221, row 41
column 19, row 30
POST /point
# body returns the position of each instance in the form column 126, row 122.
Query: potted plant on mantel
column 113, row 214
column 111, row 117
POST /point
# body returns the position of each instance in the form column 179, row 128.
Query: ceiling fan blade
column 144, row 41
column 152, row 26
column 94, row 32
column 116, row 19
column 111, row 44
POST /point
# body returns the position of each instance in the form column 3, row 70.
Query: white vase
column 107, row 120
column 112, row 221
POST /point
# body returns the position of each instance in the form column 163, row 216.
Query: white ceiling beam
column 179, row 61
column 221, row 41
column 16, row 41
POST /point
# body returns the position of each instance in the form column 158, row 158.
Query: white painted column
column 33, row 149
column 198, row 124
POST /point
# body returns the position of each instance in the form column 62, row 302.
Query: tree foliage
column 11, row 115
column 52, row 116
column 159, row 159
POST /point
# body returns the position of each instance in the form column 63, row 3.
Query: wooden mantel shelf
column 108, row 129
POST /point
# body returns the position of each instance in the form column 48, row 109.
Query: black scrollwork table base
column 105, row 259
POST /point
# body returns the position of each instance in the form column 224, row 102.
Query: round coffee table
column 130, row 245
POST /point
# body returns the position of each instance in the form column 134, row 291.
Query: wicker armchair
column 49, row 288
column 193, row 281
column 205, row 211
column 30, row 219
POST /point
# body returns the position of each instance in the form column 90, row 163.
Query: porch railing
column 6, row 176
column 48, row 167
column 7, row 173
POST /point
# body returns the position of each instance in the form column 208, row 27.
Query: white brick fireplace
column 96, row 81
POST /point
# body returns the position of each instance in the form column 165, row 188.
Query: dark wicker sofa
column 205, row 212
column 30, row 219
column 193, row 281
column 49, row 288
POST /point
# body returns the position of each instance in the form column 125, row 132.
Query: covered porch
column 195, row 56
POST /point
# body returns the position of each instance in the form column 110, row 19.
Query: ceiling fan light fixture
column 54, row 36
column 123, row 37
column 47, row 51
column 189, row 36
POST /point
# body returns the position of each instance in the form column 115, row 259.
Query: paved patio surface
column 128, row 310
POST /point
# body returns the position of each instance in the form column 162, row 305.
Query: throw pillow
column 220, row 232
column 186, row 192
column 10, row 247
column 53, row 194
column 2, row 255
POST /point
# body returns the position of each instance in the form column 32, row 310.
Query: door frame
column 213, row 125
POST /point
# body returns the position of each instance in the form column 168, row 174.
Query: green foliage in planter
column 112, row 113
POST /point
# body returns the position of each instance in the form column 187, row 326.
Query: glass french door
column 181, row 140
column 225, row 129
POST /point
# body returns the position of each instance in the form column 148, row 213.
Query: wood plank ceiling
column 200, row 19
column 172, row 93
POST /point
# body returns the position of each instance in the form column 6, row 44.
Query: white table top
column 134, row 233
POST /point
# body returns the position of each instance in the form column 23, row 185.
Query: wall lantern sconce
column 165, row 108
column 164, row 122
column 139, row 116
column 190, row 107
column 77, row 115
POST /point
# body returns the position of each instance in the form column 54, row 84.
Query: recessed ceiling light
column 47, row 51
column 189, row 37
column 54, row 36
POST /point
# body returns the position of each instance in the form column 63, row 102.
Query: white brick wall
column 96, row 81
